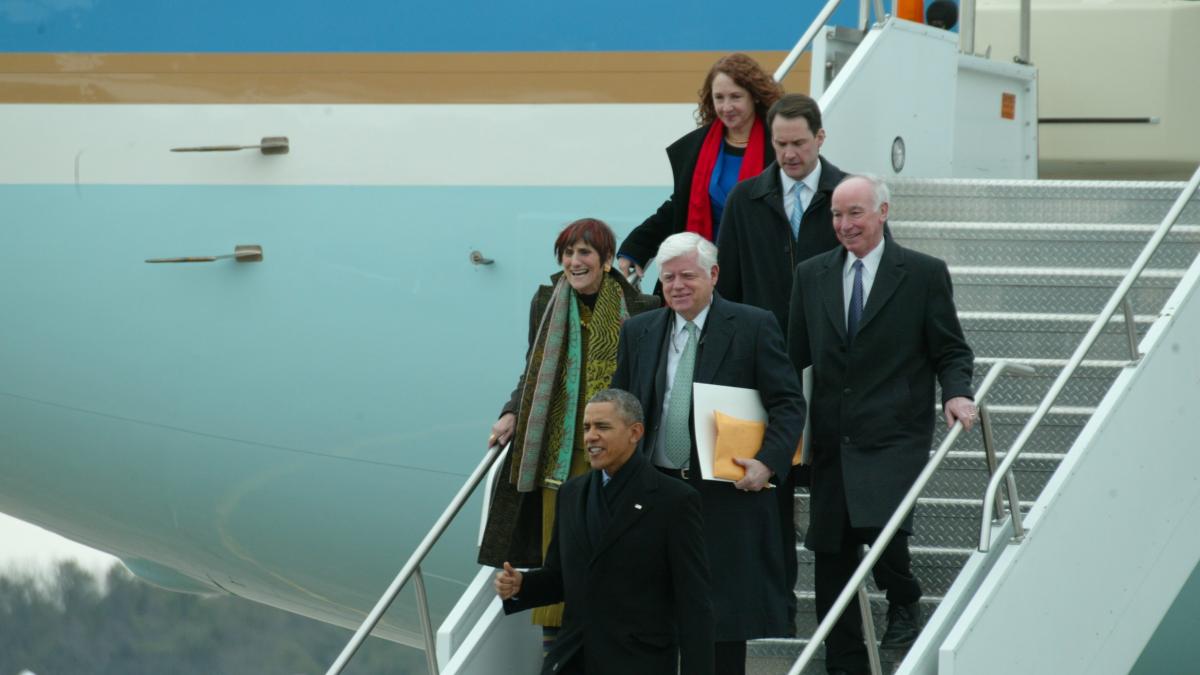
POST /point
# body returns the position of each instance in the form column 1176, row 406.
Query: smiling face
column 796, row 147
column 687, row 287
column 856, row 220
column 609, row 439
column 583, row 268
column 734, row 106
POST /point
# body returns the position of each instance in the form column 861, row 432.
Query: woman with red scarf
column 731, row 144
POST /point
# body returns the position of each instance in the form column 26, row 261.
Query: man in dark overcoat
column 877, row 323
column 626, row 555
column 771, row 223
column 701, row 337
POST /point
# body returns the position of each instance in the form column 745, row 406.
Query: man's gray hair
column 880, row 193
column 626, row 404
column 684, row 243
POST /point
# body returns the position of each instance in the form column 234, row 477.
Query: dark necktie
column 856, row 303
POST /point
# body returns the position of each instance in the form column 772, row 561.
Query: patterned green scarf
column 550, row 402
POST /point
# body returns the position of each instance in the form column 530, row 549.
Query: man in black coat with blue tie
column 628, row 558
column 877, row 323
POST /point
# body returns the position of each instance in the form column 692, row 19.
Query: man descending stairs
column 1032, row 263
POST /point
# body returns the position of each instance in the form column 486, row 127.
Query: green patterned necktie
column 679, row 440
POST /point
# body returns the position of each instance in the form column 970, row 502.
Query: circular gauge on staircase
column 898, row 154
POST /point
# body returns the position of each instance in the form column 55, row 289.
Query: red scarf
column 699, row 213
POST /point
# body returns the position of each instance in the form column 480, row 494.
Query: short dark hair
column 793, row 106
column 626, row 404
column 593, row 232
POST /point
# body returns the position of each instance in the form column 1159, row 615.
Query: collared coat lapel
column 888, row 277
column 833, row 293
column 629, row 509
column 719, row 329
column 770, row 191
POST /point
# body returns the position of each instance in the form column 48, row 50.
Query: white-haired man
column 699, row 337
column 877, row 323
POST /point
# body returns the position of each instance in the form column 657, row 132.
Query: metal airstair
column 1032, row 262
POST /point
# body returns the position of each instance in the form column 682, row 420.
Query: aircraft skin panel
column 285, row 430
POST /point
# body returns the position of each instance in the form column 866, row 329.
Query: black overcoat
column 872, row 409
column 639, row 600
column 757, row 252
column 740, row 346
column 642, row 243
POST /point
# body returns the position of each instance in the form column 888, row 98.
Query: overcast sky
column 25, row 546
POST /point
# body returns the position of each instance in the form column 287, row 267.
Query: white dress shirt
column 811, row 181
column 679, row 338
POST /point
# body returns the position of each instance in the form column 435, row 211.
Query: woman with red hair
column 574, row 324
column 731, row 144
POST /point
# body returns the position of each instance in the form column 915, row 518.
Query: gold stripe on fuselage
column 495, row 77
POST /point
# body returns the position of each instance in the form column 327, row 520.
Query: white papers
column 738, row 402
column 741, row 403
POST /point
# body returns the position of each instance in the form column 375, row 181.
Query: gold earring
column 607, row 268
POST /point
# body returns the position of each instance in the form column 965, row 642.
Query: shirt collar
column 870, row 261
column 812, row 180
column 680, row 322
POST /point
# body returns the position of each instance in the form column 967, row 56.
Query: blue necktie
column 856, row 303
column 678, row 442
column 797, row 209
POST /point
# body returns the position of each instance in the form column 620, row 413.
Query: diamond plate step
column 935, row 568
column 1055, row 291
column 1012, row 335
column 1015, row 201
column 806, row 613
column 1086, row 387
column 1054, row 435
column 1056, row 245
column 941, row 524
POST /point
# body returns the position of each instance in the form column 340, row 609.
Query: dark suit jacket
column 741, row 346
column 873, row 401
column 639, row 600
column 758, row 253
column 670, row 218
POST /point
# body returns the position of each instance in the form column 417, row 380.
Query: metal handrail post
column 864, row 14
column 794, row 55
column 1014, row 507
column 426, row 622
column 989, row 450
column 868, row 622
column 1131, row 330
column 1023, row 54
column 893, row 524
column 414, row 561
column 985, row 529
column 966, row 27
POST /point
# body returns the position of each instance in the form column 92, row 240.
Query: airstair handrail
column 413, row 568
column 818, row 23
column 893, row 524
column 1117, row 300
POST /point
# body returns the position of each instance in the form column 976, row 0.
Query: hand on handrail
column 632, row 271
column 960, row 409
column 502, row 431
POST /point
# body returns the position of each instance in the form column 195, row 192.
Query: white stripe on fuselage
column 496, row 145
